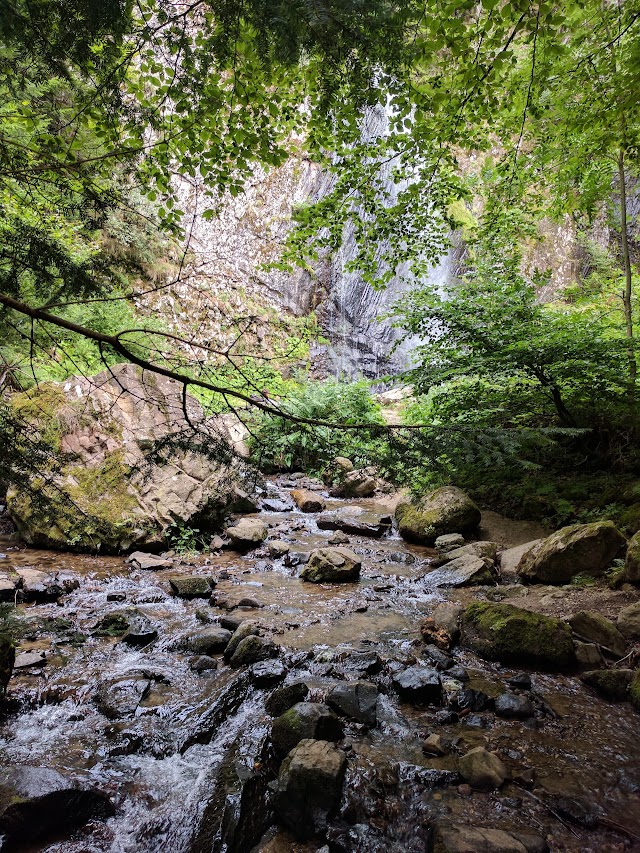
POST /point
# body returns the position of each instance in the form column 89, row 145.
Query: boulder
column 631, row 571
column 576, row 550
column 447, row 616
column 628, row 621
column 510, row 558
column 634, row 690
column 140, row 629
column 252, row 650
column 309, row 787
column 38, row 586
column 458, row 838
column 449, row 542
column 357, row 700
column 482, row 769
column 332, row 565
column 9, row 582
column 247, row 628
column 286, row 697
column 118, row 697
column 612, row 684
column 248, row 533
column 513, row 706
column 512, row 635
column 481, row 549
column 307, row 501
column 7, row 659
column 356, row 521
column 142, row 561
column 595, row 628
column 304, row 720
column 266, row 673
column 278, row 549
column 112, row 491
column 356, row 484
column 419, row 684
column 588, row 655
column 466, row 570
column 36, row 803
column 209, row 641
column 447, row 510
column 30, row 660
column 192, row 586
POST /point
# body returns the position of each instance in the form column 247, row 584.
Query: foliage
column 278, row 444
column 185, row 540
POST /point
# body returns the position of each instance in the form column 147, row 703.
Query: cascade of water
column 362, row 342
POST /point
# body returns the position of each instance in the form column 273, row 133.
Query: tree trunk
column 627, row 294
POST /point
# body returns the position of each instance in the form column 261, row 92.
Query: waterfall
column 361, row 339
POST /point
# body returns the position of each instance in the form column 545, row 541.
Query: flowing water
column 185, row 756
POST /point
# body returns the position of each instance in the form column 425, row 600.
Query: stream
column 183, row 752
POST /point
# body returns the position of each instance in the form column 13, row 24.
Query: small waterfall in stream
column 362, row 341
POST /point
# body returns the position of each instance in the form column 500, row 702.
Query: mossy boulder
column 125, row 471
column 582, row 549
column 634, row 690
column 631, row 572
column 447, row 510
column 611, row 684
column 304, row 720
column 512, row 635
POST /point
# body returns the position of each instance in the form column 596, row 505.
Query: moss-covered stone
column 634, row 690
column 447, row 510
column 582, row 549
column 40, row 407
column 631, row 572
column 512, row 635
column 612, row 684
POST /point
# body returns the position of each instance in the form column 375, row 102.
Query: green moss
column 40, row 407
column 513, row 635
column 612, row 684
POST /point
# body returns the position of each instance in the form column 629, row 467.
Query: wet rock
column 588, row 654
column 510, row 558
column 276, row 505
column 304, row 720
column 575, row 810
column 202, row 663
column 357, row 700
column 611, row 684
column 140, row 560
column 447, row 510
column 628, row 621
column 339, row 539
column 277, row 549
column 208, row 641
column 248, row 533
column 512, row 635
column 36, row 802
column 117, row 596
column 247, row 628
column 332, row 565
column 419, row 684
column 356, row 484
column 216, row 543
column 471, row 700
column 437, row 657
column 118, row 697
column 513, row 706
column 252, row 650
column 309, row 787
column 30, row 660
column 631, row 571
column 470, row 839
column 359, row 664
column 579, row 549
column 140, row 630
column 7, row 659
column 9, row 582
column 112, row 624
column 595, row 628
column 266, row 673
column 307, row 501
column 356, row 521
column 286, row 697
column 520, row 681
column 41, row 586
column 464, row 571
column 482, row 769
column 231, row 623
column 434, row 745
column 449, row 541
column 447, row 616
column 192, row 586
column 459, row 673
column 296, row 557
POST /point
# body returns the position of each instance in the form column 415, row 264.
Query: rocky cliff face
column 125, row 474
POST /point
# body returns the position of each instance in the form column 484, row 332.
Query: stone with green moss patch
column 612, row 684
column 447, row 510
column 631, row 571
column 512, row 635
column 634, row 690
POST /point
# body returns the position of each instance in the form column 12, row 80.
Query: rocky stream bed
column 150, row 709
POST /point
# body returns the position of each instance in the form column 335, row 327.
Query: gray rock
column 356, row 521
column 464, row 571
column 595, row 628
column 304, row 720
column 449, row 541
column 459, row 838
column 277, row 550
column 248, row 533
column 356, row 484
column 247, row 628
column 119, row 696
column 611, row 684
column 276, row 505
column 588, row 654
column 140, row 560
column 475, row 549
column 510, row 558
column 30, row 660
column 419, row 684
column 309, row 787
column 140, row 630
column 208, row 641
column 513, row 706
column 628, row 621
column 267, row 673
column 202, row 663
column 332, row 565
column 357, row 700
column 192, row 586
column 447, row 510
column 482, row 769
column 447, row 616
